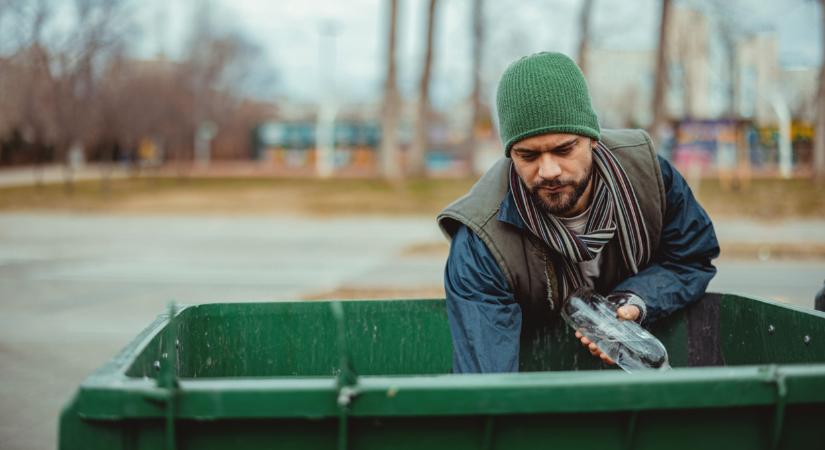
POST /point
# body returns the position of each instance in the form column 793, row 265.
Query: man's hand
column 626, row 312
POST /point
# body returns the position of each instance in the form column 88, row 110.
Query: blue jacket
column 485, row 318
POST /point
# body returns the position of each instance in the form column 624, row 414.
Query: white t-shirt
column 577, row 224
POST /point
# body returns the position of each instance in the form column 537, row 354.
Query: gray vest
column 527, row 263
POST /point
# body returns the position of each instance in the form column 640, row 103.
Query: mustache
column 551, row 184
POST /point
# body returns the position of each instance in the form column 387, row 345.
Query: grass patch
column 427, row 249
column 764, row 199
column 246, row 196
column 378, row 293
column 771, row 199
column 772, row 251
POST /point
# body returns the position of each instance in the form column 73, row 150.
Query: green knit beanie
column 543, row 93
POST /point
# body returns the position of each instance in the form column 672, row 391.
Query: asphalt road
column 74, row 289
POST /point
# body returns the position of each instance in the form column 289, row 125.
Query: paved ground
column 75, row 288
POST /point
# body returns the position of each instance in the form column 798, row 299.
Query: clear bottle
column 628, row 344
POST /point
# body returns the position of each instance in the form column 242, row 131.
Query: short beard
column 557, row 204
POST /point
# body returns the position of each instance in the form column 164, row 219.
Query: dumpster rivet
column 157, row 365
column 177, row 343
column 165, row 355
column 806, row 339
column 771, row 329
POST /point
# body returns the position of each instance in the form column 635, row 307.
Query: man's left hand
column 626, row 312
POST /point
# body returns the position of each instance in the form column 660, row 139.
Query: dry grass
column 765, row 251
column 369, row 293
column 435, row 249
column 241, row 196
column 729, row 250
column 765, row 199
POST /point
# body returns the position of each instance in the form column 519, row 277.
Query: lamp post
column 325, row 128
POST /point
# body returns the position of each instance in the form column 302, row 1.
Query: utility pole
column 584, row 31
column 390, row 154
column 325, row 130
column 418, row 151
column 819, row 137
column 475, row 98
column 659, row 107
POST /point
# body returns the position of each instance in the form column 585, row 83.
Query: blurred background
column 206, row 150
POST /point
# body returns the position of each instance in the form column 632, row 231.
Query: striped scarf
column 614, row 210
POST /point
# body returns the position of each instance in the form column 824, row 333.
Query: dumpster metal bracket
column 630, row 433
column 778, row 378
column 487, row 436
column 168, row 386
column 347, row 379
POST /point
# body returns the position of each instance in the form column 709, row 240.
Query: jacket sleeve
column 681, row 268
column 485, row 320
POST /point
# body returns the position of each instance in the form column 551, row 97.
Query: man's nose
column 549, row 169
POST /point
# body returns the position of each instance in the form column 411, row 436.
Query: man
column 570, row 205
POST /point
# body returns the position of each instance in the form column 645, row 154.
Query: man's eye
column 528, row 156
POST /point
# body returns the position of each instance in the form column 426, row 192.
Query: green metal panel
column 386, row 337
column 760, row 332
column 269, row 375
column 298, row 338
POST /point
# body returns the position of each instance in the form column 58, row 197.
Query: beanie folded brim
column 580, row 130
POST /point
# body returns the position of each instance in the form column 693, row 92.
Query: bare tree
column 220, row 64
column 819, row 139
column 729, row 28
column 681, row 57
column 72, row 85
column 108, row 105
column 78, row 60
column 420, row 145
column 728, row 33
column 30, row 83
column 659, row 109
column 390, row 164
column 584, row 30
column 469, row 145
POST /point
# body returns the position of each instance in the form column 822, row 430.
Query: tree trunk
column 475, row 97
column 659, row 107
column 390, row 163
column 584, row 29
column 64, row 151
column 418, row 151
column 107, row 165
column 819, row 137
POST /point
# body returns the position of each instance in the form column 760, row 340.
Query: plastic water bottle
column 625, row 342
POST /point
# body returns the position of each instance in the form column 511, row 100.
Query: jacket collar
column 508, row 213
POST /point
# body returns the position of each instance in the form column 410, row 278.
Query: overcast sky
column 289, row 34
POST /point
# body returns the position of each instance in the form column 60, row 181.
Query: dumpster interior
column 411, row 337
column 285, row 375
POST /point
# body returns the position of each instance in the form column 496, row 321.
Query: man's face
column 557, row 169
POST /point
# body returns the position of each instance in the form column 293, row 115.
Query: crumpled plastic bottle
column 628, row 344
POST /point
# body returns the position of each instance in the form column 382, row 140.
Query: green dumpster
column 747, row 374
